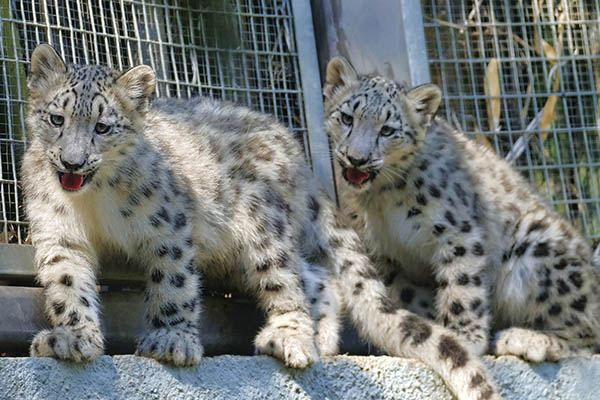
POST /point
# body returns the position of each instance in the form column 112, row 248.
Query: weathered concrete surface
column 261, row 377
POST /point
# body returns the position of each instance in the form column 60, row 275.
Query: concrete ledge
column 261, row 377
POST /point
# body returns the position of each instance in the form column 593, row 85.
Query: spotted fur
column 186, row 189
column 459, row 235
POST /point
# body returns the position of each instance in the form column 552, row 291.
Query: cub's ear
column 137, row 86
column 426, row 99
column 339, row 74
column 46, row 65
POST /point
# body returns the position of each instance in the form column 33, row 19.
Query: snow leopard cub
column 457, row 233
column 187, row 189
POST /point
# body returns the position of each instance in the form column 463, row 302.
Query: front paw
column 175, row 346
column 75, row 344
column 290, row 338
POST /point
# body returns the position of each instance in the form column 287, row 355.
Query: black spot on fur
column 59, row 307
column 459, row 251
column 438, row 229
column 164, row 214
column 519, row 251
column 579, row 304
column 555, row 309
column 161, row 250
column 407, row 295
column 125, row 212
column 478, row 249
column 421, row 199
column 386, row 305
column 314, row 207
column 562, row 264
column 179, row 221
column 457, row 308
column 177, row 280
column 66, row 280
column 450, row 218
column 56, row 259
column 273, row 287
column 476, row 280
column 449, row 349
column 154, row 221
column 465, row 227
column 541, row 250
column 419, row 182
column 535, row 226
column 158, row 323
column 416, row 329
column 413, row 212
column 357, row 288
column 176, row 253
column 157, row 275
column 576, row 279
column 73, row 318
column 84, row 301
column 562, row 287
column 434, row 191
column 463, row 279
column 475, row 304
column 543, row 296
column 169, row 309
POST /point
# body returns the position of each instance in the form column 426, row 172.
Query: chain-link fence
column 519, row 75
column 241, row 50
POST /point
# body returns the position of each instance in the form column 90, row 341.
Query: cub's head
column 375, row 125
column 84, row 116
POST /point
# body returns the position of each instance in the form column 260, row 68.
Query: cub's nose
column 73, row 165
column 357, row 162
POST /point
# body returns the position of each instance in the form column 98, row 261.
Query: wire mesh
column 503, row 63
column 240, row 50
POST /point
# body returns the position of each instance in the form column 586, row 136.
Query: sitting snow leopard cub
column 441, row 214
column 198, row 188
column 180, row 187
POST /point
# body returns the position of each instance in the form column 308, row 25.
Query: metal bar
column 320, row 156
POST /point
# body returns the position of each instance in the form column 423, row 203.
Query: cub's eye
column 57, row 120
column 347, row 119
column 101, row 128
column 388, row 131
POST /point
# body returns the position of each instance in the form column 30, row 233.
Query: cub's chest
column 403, row 231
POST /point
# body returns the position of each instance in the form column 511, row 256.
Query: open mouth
column 73, row 182
column 357, row 177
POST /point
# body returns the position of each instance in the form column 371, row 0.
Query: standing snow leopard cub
column 443, row 215
column 185, row 188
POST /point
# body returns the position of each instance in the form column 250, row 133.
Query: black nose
column 72, row 167
column 357, row 162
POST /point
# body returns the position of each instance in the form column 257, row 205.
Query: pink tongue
column 71, row 181
column 356, row 176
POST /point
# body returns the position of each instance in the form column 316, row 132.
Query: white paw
column 527, row 344
column 289, row 338
column 175, row 346
column 76, row 344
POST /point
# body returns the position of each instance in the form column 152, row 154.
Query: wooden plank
column 16, row 263
column 228, row 325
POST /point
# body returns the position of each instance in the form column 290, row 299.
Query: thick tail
column 396, row 331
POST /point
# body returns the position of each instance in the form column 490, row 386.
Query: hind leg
column 553, row 310
column 325, row 309
column 415, row 298
column 537, row 346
